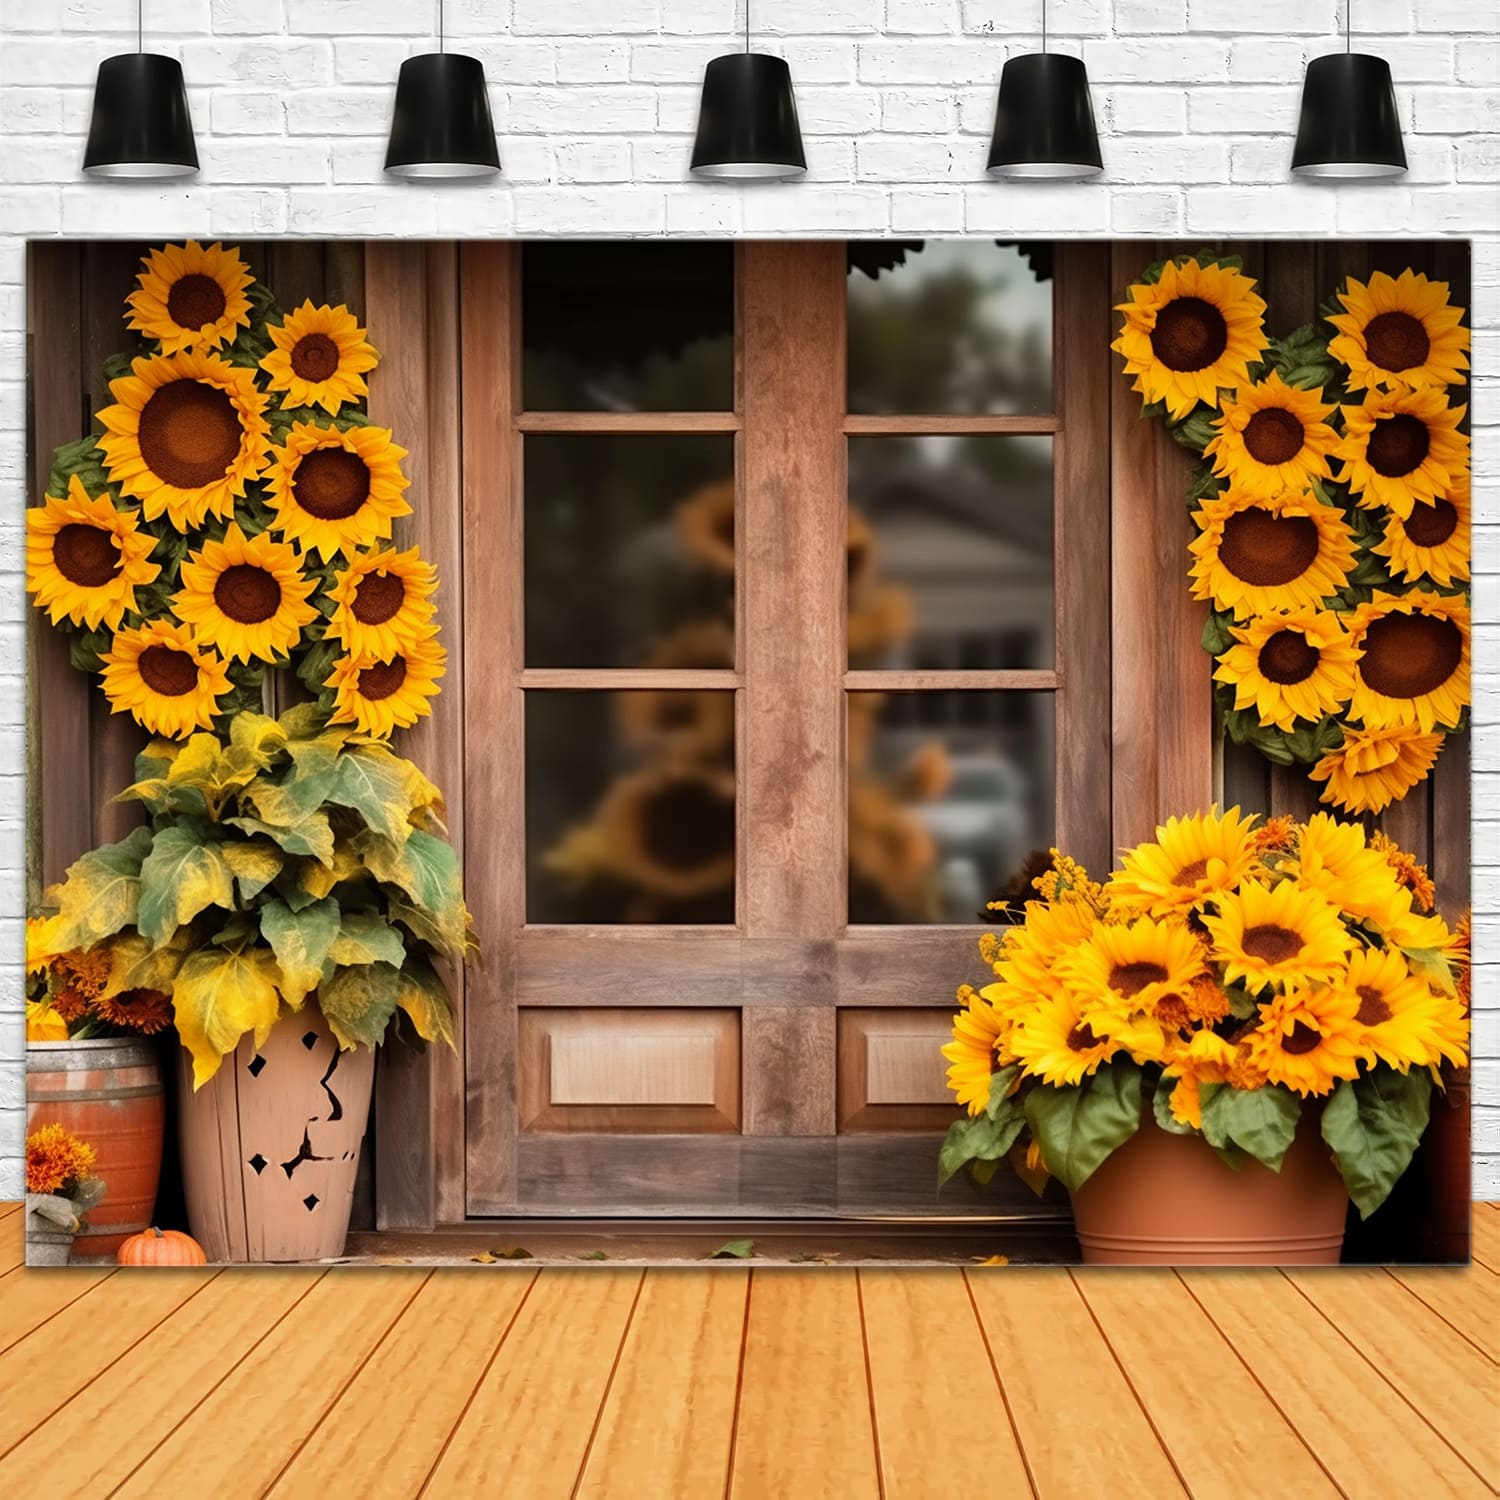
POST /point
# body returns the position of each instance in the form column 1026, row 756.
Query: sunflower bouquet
column 232, row 513
column 1225, row 978
column 69, row 995
column 60, row 1183
column 1332, row 505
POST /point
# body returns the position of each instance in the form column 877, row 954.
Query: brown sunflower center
column 195, row 300
column 1191, row 873
column 314, row 357
column 1396, row 341
column 1081, row 1038
column 247, row 593
column 1268, row 551
column 1273, row 436
column 85, row 555
column 1408, row 655
column 1190, row 334
column 1271, row 944
column 168, row 671
column 1431, row 525
column 1372, row 1007
column 687, row 824
column 383, row 679
column 1398, row 445
column 378, row 597
column 1288, row 657
column 1131, row 979
column 1303, row 1038
column 331, row 483
column 189, row 433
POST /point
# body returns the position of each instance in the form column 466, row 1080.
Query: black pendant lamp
column 141, row 127
column 747, row 121
column 1349, row 127
column 441, row 128
column 1044, row 118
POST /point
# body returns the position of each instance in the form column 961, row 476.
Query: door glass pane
column 630, row 806
column 950, row 552
column 629, row 550
column 949, row 326
column 627, row 327
column 951, row 794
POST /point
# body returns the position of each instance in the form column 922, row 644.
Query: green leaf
column 312, row 836
column 734, row 1250
column 1077, row 1127
column 1261, row 1122
column 101, row 893
column 1161, row 1109
column 1001, row 1099
column 256, row 863
column 1432, row 964
column 592, row 1255
column 1243, row 1006
column 425, row 929
column 424, row 997
column 1216, row 638
column 1372, row 1125
column 358, row 1002
column 381, row 787
column 426, row 868
column 182, row 876
column 977, row 1138
column 300, row 940
column 366, row 938
column 305, row 784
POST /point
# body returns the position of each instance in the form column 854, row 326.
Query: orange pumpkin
column 161, row 1247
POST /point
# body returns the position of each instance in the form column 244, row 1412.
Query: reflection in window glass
column 950, row 796
column 950, row 552
column 952, row 326
column 629, row 549
column 627, row 327
column 630, row 810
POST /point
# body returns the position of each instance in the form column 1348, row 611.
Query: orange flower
column 144, row 1012
column 56, row 1161
column 1410, row 871
column 76, row 980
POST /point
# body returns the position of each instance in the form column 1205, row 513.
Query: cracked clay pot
column 270, row 1145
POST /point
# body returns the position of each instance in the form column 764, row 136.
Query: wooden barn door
column 726, row 865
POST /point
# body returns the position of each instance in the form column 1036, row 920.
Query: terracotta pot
column 109, row 1093
column 270, row 1145
column 46, row 1244
column 1169, row 1200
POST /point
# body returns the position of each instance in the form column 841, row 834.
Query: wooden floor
column 783, row 1384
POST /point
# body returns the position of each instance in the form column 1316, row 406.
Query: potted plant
column 1217, row 1047
column 61, row 1187
column 290, row 895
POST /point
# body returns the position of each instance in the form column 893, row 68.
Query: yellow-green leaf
column 135, row 965
column 358, row 1003
column 255, row 863
column 365, row 938
column 257, row 737
column 426, row 868
column 319, row 880
column 382, row 788
column 312, row 836
column 424, row 997
column 181, row 877
column 217, row 997
column 101, row 892
column 300, row 941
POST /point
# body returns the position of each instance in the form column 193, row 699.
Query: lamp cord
column 1348, row 25
column 1044, row 25
column 140, row 30
column 747, row 28
column 440, row 25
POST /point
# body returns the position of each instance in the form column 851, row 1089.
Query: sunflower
column 380, row 694
column 1190, row 860
column 246, row 596
column 1055, row 1043
column 1374, row 767
column 705, row 525
column 187, row 433
column 162, row 677
column 1256, row 555
column 144, row 1012
column 1403, row 448
column 1335, row 862
column 335, row 490
column 972, row 1056
column 383, row 602
column 43, row 1024
column 1133, row 975
column 41, row 943
column 1191, row 334
column 1308, row 1039
column 1399, row 332
column 1298, row 665
column 1402, row 1022
column 1280, row 934
column 1272, row 436
column 1433, row 540
column 321, row 358
column 690, row 721
column 191, row 297
column 85, row 559
column 1205, row 1058
column 1413, row 665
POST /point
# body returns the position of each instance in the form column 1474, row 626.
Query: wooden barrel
column 108, row 1092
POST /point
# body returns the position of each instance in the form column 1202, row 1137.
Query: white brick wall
column 595, row 102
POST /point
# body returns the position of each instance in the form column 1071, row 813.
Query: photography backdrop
column 595, row 101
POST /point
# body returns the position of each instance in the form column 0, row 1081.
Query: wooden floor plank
column 7, row 1209
column 29, row 1297
column 668, row 1422
column 1466, row 1297
column 928, row 1360
column 48, row 1367
column 527, row 1429
column 107, row 1429
column 12, row 1241
column 390, row 1424
column 1346, row 1410
column 237, row 1440
column 1219, row 1425
column 1486, row 1236
column 1080, row 1424
column 804, row 1426
column 1443, row 1375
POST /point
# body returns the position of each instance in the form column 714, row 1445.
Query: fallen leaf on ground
column 734, row 1250
column 991, row 1260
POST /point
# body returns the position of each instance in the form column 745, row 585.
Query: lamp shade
column 747, row 122
column 1044, row 119
column 141, row 126
column 442, row 126
column 1349, row 126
